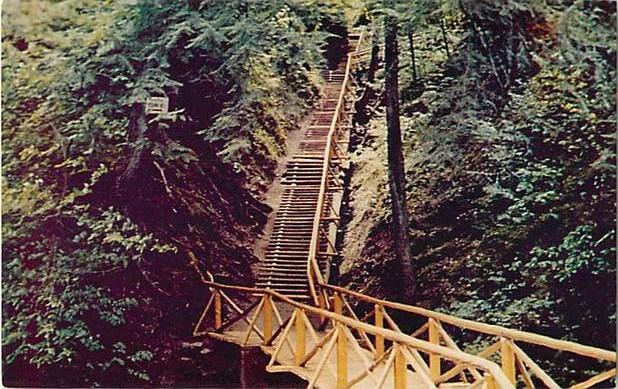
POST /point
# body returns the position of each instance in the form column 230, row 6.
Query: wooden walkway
column 284, row 357
column 336, row 338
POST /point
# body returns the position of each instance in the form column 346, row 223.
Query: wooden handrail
column 490, row 329
column 396, row 337
column 455, row 355
column 313, row 269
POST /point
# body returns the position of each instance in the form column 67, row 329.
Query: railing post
column 338, row 304
column 300, row 337
column 218, row 318
column 321, row 304
column 268, row 318
column 379, row 322
column 490, row 382
column 508, row 359
column 401, row 373
column 434, row 360
column 342, row 358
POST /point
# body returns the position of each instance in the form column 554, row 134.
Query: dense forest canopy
column 508, row 114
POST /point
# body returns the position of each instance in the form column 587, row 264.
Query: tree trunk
column 136, row 145
column 375, row 53
column 444, row 37
column 411, row 40
column 361, row 105
column 396, row 169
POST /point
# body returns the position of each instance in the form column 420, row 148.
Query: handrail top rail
column 489, row 329
column 313, row 245
column 425, row 346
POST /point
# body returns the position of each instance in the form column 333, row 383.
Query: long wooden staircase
column 285, row 267
column 336, row 338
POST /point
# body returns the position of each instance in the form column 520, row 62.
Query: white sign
column 157, row 106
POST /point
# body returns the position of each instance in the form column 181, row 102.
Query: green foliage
column 510, row 164
column 239, row 74
column 260, row 62
column 53, row 310
column 576, row 254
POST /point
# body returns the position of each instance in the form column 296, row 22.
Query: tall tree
column 375, row 52
column 412, row 54
column 396, row 168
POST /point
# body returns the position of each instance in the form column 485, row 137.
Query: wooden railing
column 332, row 152
column 516, row 363
column 376, row 339
column 268, row 328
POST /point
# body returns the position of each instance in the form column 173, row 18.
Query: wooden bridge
column 336, row 338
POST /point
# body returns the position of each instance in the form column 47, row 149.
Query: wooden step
column 285, row 278
column 284, row 267
column 286, row 260
column 297, row 274
column 284, row 287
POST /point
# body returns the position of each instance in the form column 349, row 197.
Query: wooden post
column 342, row 358
column 400, row 369
column 434, row 360
column 268, row 318
column 321, row 300
column 300, row 337
column 218, row 318
column 490, row 383
column 508, row 359
column 338, row 304
column 321, row 304
column 379, row 322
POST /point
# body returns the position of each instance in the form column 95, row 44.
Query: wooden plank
column 400, row 369
column 434, row 359
column 507, row 360
column 536, row 369
column 379, row 322
column 595, row 380
column 337, row 303
column 300, row 337
column 267, row 317
column 218, row 318
column 342, row 358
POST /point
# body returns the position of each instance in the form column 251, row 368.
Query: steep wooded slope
column 511, row 172
column 102, row 203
